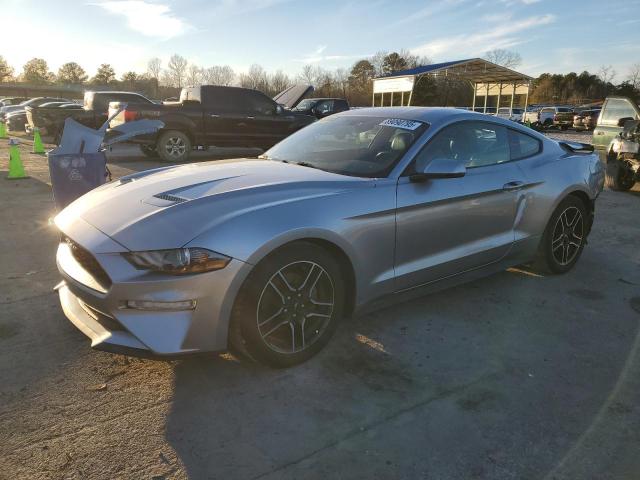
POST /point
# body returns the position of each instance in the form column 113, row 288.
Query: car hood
column 293, row 95
column 11, row 108
column 169, row 207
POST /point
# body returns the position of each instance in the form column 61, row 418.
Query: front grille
column 89, row 263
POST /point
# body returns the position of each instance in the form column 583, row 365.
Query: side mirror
column 279, row 109
column 624, row 120
column 439, row 168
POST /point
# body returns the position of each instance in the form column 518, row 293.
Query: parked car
column 34, row 102
column 546, row 117
column 268, row 255
column 322, row 107
column 6, row 101
column 217, row 116
column 17, row 119
column 50, row 121
column 64, row 105
column 613, row 116
column 515, row 114
column 617, row 139
column 590, row 119
column 623, row 162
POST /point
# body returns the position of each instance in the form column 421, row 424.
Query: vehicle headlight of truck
column 178, row 261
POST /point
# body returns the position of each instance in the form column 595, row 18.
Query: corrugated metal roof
column 472, row 69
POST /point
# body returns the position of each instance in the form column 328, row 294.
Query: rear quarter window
column 523, row 145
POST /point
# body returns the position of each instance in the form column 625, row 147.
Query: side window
column 225, row 100
column 341, row 106
column 615, row 109
column 477, row 144
column 325, row 107
column 523, row 145
column 258, row 104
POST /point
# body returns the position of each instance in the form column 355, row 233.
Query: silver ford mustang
column 267, row 255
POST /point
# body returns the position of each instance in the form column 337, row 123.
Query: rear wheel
column 617, row 177
column 289, row 306
column 564, row 238
column 173, row 146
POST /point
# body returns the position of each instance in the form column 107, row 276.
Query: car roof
column 436, row 116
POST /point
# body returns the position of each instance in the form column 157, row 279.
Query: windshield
column 306, row 104
column 350, row 145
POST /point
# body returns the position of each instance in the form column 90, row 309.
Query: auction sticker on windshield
column 400, row 123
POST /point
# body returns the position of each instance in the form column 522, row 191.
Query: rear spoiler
column 577, row 147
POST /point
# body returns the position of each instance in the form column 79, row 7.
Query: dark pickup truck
column 217, row 116
column 50, row 121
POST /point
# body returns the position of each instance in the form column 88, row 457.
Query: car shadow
column 470, row 382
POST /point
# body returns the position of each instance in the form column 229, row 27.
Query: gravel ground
column 516, row 376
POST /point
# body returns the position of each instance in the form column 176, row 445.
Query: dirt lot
column 515, row 376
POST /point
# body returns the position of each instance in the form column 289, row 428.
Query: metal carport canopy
column 475, row 70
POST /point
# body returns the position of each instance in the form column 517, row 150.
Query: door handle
column 512, row 186
column 599, row 133
column 213, row 115
column 251, row 118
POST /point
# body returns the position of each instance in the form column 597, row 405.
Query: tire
column 173, row 146
column 616, row 177
column 564, row 237
column 149, row 151
column 289, row 306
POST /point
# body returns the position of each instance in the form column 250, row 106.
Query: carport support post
column 526, row 98
column 373, row 99
column 513, row 94
column 402, row 98
column 499, row 95
column 475, row 90
column 486, row 97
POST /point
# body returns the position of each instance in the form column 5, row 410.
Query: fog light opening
column 159, row 306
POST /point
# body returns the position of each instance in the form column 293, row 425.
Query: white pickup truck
column 561, row 117
column 515, row 115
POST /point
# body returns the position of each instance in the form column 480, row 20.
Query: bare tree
column 309, row 74
column 176, row 71
column 378, row 62
column 255, row 78
column 194, row 76
column 341, row 80
column 505, row 58
column 607, row 73
column 278, row 82
column 218, row 75
column 154, row 68
column 634, row 76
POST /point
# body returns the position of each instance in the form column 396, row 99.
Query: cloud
column 498, row 36
column 149, row 19
column 432, row 10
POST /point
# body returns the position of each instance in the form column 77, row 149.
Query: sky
column 555, row 36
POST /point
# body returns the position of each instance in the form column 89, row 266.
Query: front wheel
column 289, row 306
column 564, row 237
column 617, row 177
column 173, row 146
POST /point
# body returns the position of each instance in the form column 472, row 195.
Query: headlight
column 179, row 261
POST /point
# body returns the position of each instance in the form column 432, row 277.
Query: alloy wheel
column 295, row 307
column 567, row 236
column 175, row 147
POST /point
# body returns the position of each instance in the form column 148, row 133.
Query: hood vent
column 170, row 198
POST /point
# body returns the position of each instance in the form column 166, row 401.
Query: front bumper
column 102, row 315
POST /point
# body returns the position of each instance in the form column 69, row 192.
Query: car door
column 266, row 126
column 226, row 116
column 450, row 225
column 607, row 128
